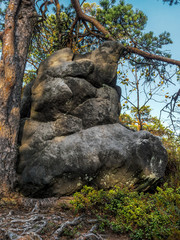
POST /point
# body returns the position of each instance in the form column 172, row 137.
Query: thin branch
column 107, row 35
column 71, row 31
column 175, row 98
column 170, row 106
column 45, row 4
column 91, row 32
column 83, row 2
column 58, row 8
column 129, row 101
column 32, row 63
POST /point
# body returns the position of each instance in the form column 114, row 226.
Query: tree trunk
column 19, row 25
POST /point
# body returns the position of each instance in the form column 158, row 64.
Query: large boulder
column 105, row 156
column 73, row 136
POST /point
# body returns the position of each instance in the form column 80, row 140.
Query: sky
column 161, row 17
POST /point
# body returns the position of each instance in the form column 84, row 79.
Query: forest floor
column 50, row 219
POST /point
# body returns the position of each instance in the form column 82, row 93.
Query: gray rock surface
column 105, row 60
column 73, row 136
column 105, row 155
column 59, row 57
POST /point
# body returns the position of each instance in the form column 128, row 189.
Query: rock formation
column 71, row 135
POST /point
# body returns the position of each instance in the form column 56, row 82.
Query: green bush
column 142, row 216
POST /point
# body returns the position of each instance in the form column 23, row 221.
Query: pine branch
column 83, row 16
column 152, row 56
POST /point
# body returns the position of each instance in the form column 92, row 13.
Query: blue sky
column 162, row 17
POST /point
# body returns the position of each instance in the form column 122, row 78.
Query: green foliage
column 143, row 216
column 120, row 19
column 50, row 35
column 172, row 145
column 70, row 232
column 132, row 120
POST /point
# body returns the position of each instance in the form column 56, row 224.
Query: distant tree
column 138, row 118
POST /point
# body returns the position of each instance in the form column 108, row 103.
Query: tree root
column 34, row 224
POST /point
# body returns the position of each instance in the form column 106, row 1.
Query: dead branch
column 175, row 98
column 91, row 236
column 172, row 103
column 170, row 108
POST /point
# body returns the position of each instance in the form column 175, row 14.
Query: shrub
column 143, row 216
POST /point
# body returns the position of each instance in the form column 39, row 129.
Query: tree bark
column 19, row 25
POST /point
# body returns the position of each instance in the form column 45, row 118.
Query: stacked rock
column 71, row 135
